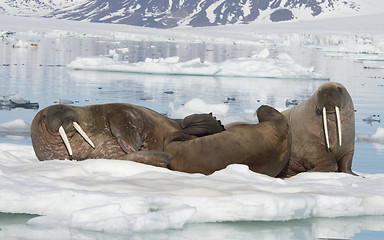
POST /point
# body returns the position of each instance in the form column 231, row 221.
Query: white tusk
column 338, row 123
column 65, row 140
column 83, row 134
column 325, row 126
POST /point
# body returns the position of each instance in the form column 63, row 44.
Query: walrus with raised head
column 323, row 132
column 129, row 132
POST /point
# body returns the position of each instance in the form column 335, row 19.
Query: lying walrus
column 323, row 132
column 129, row 132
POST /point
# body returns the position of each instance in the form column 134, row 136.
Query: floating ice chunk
column 198, row 106
column 66, row 101
column 18, row 99
column 16, row 126
column 112, row 54
column 149, row 66
column 9, row 101
column 24, row 44
column 377, row 137
column 174, row 59
column 256, row 66
column 263, row 54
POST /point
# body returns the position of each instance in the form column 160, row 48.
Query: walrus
column 130, row 132
column 323, row 132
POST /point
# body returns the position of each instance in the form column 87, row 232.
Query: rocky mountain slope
column 172, row 13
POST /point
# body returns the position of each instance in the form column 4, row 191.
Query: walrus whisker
column 338, row 121
column 65, row 140
column 83, row 134
column 325, row 126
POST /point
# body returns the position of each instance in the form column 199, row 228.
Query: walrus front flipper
column 155, row 158
column 200, row 125
column 127, row 127
column 128, row 139
column 345, row 163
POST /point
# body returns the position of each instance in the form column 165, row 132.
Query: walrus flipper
column 345, row 163
column 155, row 158
column 128, row 139
column 200, row 125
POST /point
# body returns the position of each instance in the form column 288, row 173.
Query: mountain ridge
column 173, row 13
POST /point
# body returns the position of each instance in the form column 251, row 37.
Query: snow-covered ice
column 135, row 197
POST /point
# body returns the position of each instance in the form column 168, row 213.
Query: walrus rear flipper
column 155, row 158
column 200, row 125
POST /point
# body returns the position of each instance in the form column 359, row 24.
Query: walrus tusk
column 338, row 123
column 325, row 126
column 83, row 134
column 65, row 140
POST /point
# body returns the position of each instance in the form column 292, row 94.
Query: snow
column 210, row 10
column 37, row 8
column 120, row 12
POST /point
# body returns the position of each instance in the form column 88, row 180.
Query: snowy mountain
column 172, row 13
column 34, row 7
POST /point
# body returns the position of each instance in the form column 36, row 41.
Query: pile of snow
column 136, row 197
column 257, row 66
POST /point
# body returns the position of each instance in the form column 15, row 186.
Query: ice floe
column 261, row 65
column 136, row 197
column 10, row 101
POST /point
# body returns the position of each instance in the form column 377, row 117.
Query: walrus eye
column 338, row 125
column 65, row 140
column 83, row 134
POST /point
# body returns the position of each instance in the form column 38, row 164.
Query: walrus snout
column 330, row 96
column 59, row 116
column 329, row 100
column 63, row 119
